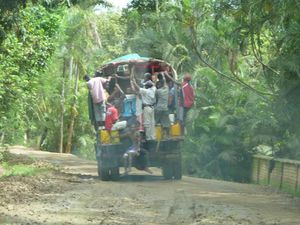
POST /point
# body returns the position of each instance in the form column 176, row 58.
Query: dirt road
column 77, row 196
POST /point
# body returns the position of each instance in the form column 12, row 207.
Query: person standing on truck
column 95, row 85
column 112, row 116
column 161, row 108
column 187, row 97
column 171, row 98
column 148, row 102
column 117, row 95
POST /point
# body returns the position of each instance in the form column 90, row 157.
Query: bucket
column 105, row 138
column 175, row 130
column 158, row 132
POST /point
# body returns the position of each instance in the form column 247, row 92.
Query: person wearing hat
column 148, row 101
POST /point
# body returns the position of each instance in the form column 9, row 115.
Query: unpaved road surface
column 77, row 196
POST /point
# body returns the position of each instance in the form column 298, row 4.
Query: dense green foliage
column 244, row 59
column 243, row 56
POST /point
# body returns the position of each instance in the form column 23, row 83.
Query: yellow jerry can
column 175, row 130
column 113, row 138
column 158, row 132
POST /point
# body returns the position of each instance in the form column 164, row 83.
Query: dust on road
column 76, row 196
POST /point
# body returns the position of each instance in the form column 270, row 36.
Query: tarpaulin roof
column 128, row 58
column 136, row 59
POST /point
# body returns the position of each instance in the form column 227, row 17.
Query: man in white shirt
column 161, row 108
column 148, row 102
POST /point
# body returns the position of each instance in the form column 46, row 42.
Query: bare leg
column 125, row 157
column 148, row 170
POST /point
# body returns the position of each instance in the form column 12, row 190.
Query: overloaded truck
column 111, row 147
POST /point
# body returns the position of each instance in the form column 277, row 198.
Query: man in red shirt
column 112, row 116
column 187, row 95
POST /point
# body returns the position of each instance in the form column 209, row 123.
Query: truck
column 164, row 152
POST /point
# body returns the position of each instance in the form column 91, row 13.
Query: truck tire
column 177, row 170
column 115, row 173
column 167, row 171
column 103, row 173
column 172, row 168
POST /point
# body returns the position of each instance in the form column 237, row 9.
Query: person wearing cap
column 96, row 87
column 148, row 101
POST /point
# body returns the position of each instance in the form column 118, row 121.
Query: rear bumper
column 157, row 152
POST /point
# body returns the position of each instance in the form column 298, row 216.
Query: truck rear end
column 112, row 147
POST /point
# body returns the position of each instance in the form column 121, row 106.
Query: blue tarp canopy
column 127, row 58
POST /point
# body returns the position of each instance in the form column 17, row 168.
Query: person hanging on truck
column 117, row 95
column 114, row 89
column 186, row 95
column 96, row 88
column 171, row 98
column 112, row 116
column 148, row 103
column 161, row 107
column 147, row 76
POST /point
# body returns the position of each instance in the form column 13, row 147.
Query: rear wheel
column 103, row 173
column 115, row 173
column 172, row 168
column 167, row 171
column 177, row 170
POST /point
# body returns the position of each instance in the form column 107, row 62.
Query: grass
column 21, row 170
column 16, row 165
column 290, row 189
column 287, row 188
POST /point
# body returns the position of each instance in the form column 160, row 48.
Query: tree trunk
column 70, row 74
column 73, row 113
column 2, row 135
column 95, row 34
column 43, row 137
column 61, row 143
column 27, row 136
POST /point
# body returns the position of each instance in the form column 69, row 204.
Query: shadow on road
column 139, row 178
column 126, row 178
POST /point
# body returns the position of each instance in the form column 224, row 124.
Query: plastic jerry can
column 115, row 137
column 175, row 130
column 105, row 138
column 158, row 132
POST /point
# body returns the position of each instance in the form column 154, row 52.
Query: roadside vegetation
column 14, row 165
column 243, row 55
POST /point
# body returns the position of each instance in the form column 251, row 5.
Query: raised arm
column 121, row 78
column 119, row 88
column 134, row 85
column 171, row 78
column 164, row 79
